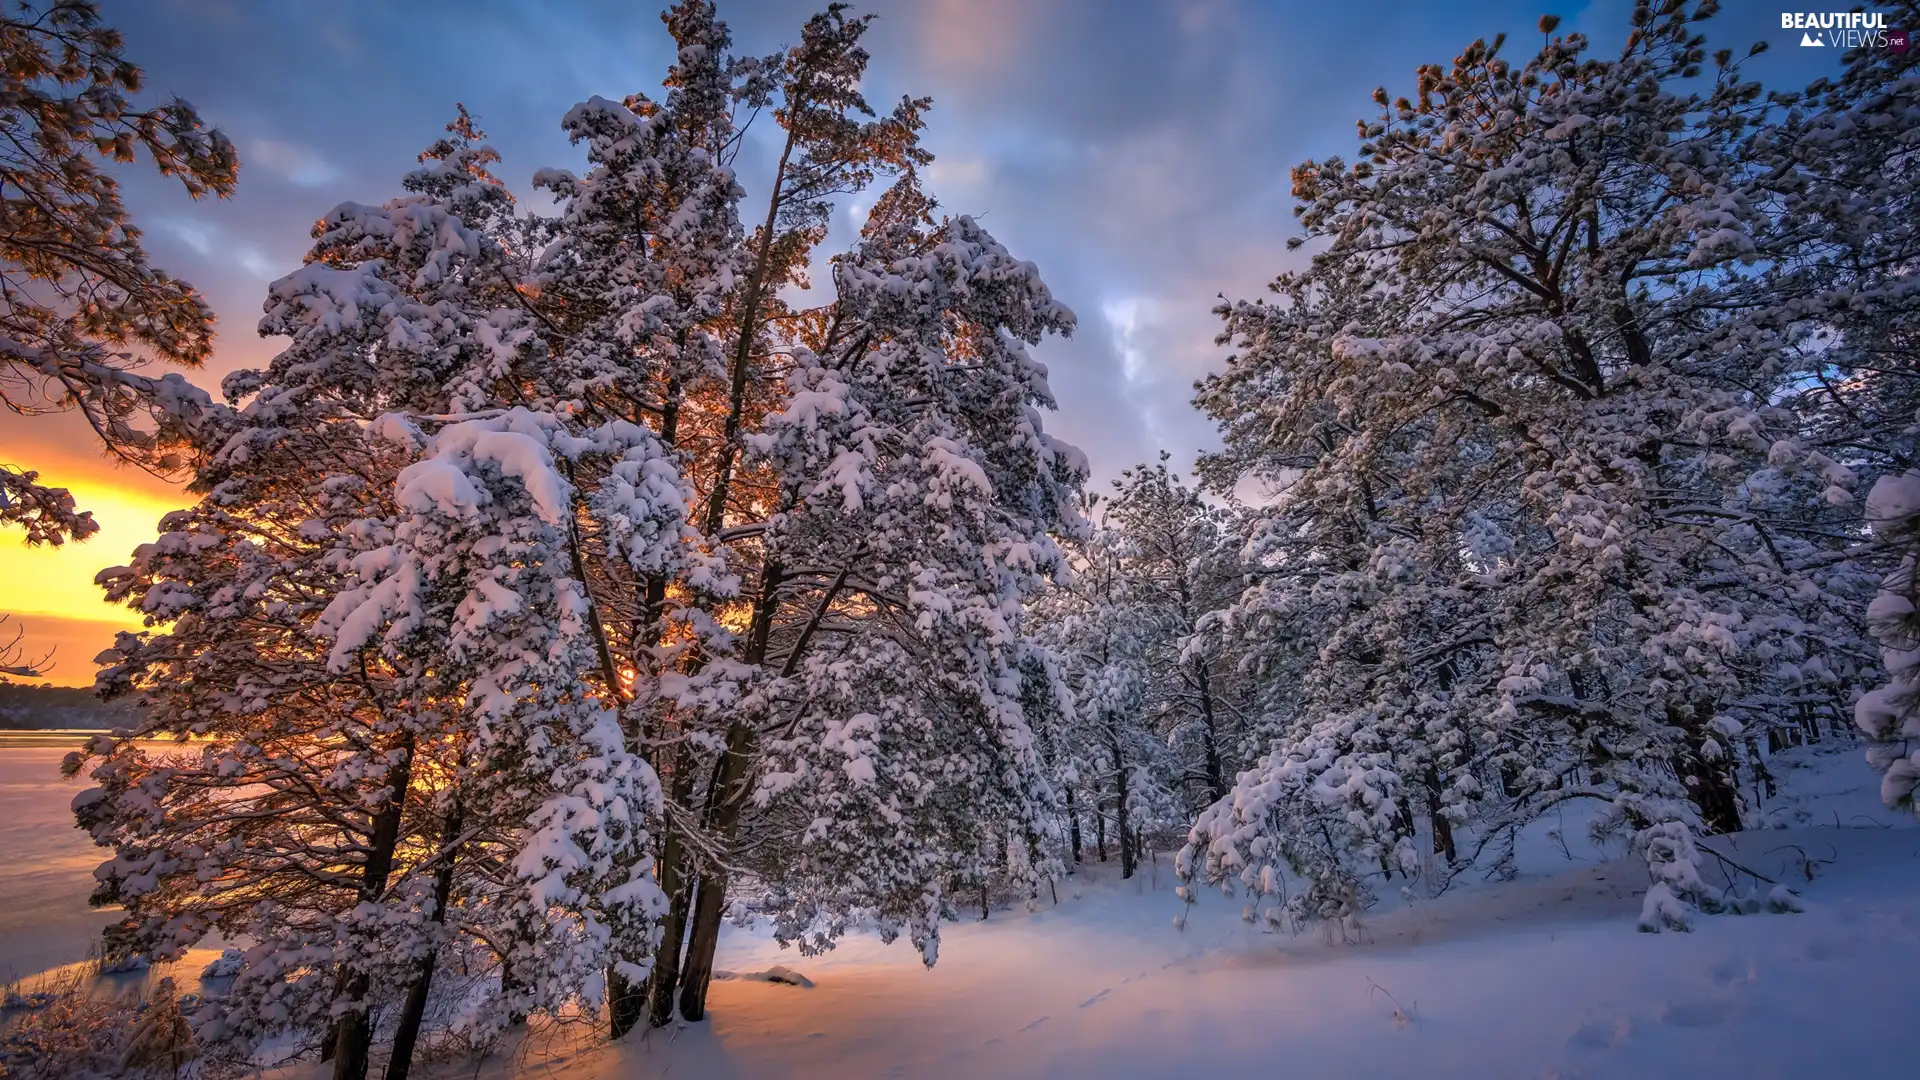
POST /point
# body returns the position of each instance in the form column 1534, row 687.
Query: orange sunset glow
column 49, row 591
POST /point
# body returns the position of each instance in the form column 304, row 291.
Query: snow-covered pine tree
column 1100, row 628
column 287, row 824
column 645, row 258
column 1545, row 540
column 77, row 292
column 466, row 593
column 1846, row 173
column 833, row 145
column 911, row 492
column 1889, row 714
column 470, row 343
column 1181, row 564
column 454, row 590
column 405, row 306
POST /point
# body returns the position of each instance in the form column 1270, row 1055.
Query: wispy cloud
column 197, row 235
column 210, row 242
column 299, row 164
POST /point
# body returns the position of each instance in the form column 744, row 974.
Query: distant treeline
column 35, row 708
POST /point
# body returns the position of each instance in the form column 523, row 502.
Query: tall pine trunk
column 1128, row 856
column 675, row 882
column 351, row 1042
column 1073, row 823
column 1442, row 828
column 727, row 800
column 626, row 1003
column 415, row 1009
column 703, row 938
column 1216, row 774
column 704, row 935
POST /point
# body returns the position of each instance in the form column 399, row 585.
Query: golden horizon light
column 49, row 591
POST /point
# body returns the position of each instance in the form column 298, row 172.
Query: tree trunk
column 400, row 1062
column 1442, row 828
column 415, row 1009
column 351, row 1041
column 1216, row 776
column 679, row 889
column 1100, row 830
column 353, row 1035
column 627, row 1003
column 727, row 800
column 701, row 944
column 1073, row 823
column 1717, row 798
column 1128, row 856
column 666, row 964
column 743, row 346
column 729, row 795
column 1708, row 782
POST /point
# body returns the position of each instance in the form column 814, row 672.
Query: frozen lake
column 46, row 865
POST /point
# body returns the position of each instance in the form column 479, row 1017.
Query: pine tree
column 287, row 826
column 77, row 292
column 1181, row 561
column 1890, row 714
column 1546, row 533
column 1099, row 628
column 1843, row 166
column 912, row 495
column 400, row 553
column 856, row 380
column 644, row 263
column 466, row 593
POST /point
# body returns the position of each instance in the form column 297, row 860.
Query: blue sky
column 1138, row 151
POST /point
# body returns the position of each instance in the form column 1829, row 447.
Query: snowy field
column 1544, row 976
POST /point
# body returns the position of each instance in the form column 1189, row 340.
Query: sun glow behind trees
column 50, row 589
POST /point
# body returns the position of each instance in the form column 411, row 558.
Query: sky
column 1136, row 150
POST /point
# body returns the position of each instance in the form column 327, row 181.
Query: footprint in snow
column 1595, row 1036
column 1829, row 949
column 1731, row 972
column 1097, row 998
column 1698, row 1014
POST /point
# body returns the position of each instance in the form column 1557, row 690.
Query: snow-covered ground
column 1543, row 976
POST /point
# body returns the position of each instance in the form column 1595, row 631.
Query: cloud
column 949, row 173
column 1136, row 150
column 210, row 242
column 298, row 164
column 975, row 38
column 197, row 235
column 256, row 264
